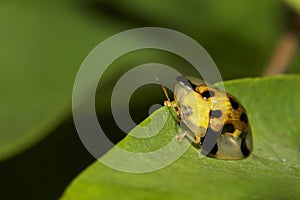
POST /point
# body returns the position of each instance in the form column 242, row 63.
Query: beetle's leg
column 175, row 108
column 168, row 102
column 195, row 140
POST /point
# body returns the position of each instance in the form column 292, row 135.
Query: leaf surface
column 272, row 171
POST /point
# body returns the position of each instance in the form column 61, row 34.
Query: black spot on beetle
column 244, row 118
column 215, row 113
column 209, row 142
column 214, row 150
column 228, row 128
column 244, row 148
column 207, row 94
column 234, row 104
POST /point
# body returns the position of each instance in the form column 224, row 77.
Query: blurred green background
column 43, row 43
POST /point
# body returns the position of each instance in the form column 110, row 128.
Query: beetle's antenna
column 163, row 88
column 169, row 103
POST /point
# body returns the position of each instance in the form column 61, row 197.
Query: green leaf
column 42, row 46
column 214, row 25
column 294, row 4
column 272, row 171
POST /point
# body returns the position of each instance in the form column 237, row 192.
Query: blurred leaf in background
column 294, row 3
column 42, row 46
column 238, row 35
